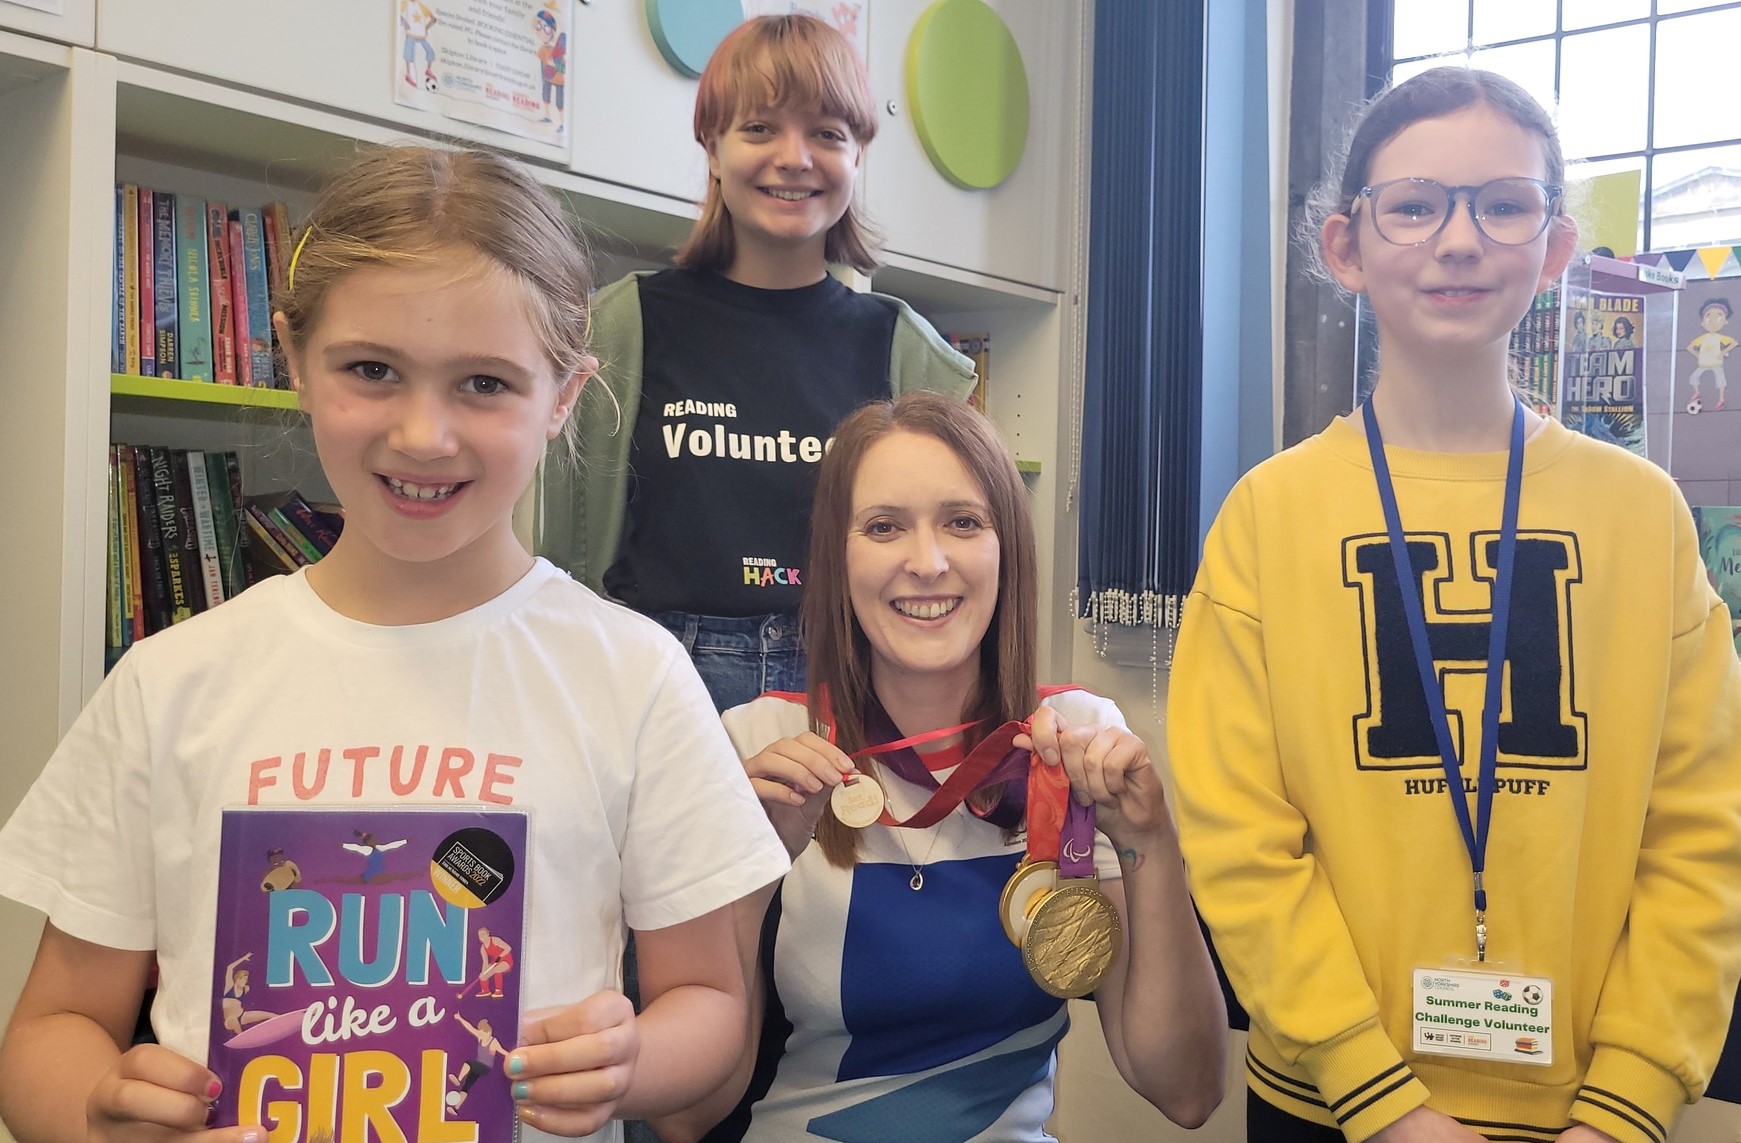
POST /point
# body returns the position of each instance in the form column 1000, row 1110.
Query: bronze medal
column 1073, row 937
column 858, row 801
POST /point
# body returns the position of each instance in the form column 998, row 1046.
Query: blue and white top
column 913, row 1016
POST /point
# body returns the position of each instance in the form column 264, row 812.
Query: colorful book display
column 366, row 972
column 192, row 287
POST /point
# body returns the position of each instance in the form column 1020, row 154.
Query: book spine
column 233, row 478
column 205, row 525
column 112, row 581
column 223, row 309
column 175, row 581
column 268, row 543
column 272, row 528
column 224, row 524
column 130, row 238
column 163, row 282
column 147, row 283
column 276, row 218
column 309, row 523
column 130, row 543
column 259, row 307
column 292, row 534
column 190, row 547
column 118, row 307
column 235, row 246
column 193, row 303
column 150, row 544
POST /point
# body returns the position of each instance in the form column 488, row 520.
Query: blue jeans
column 740, row 657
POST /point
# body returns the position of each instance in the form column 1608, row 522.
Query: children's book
column 1602, row 383
column 193, row 292
column 163, row 285
column 1720, row 545
column 147, row 274
column 223, row 310
column 366, row 974
column 259, row 328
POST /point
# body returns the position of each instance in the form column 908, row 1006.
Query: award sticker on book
column 472, row 867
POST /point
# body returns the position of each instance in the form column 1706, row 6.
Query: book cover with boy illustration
column 364, row 979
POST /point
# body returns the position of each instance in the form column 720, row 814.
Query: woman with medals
column 969, row 848
column 1454, row 714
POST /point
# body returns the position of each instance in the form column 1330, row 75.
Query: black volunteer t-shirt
column 741, row 391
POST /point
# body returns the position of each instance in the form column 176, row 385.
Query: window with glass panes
column 1642, row 85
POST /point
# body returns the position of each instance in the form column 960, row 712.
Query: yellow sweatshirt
column 1316, row 825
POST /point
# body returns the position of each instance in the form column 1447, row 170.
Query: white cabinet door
column 69, row 21
column 634, row 115
column 1017, row 229
column 339, row 54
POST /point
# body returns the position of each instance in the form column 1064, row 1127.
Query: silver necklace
column 917, row 881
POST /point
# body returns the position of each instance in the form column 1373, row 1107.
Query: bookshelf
column 171, row 396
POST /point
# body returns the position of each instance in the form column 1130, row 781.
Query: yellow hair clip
column 290, row 273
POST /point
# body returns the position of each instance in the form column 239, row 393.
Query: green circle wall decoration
column 687, row 31
column 968, row 92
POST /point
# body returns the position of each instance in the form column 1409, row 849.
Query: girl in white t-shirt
column 435, row 325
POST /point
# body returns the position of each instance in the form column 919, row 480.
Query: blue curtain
column 1142, row 397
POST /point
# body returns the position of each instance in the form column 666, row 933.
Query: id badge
column 1480, row 1015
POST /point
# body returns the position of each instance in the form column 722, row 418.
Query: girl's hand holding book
column 155, row 1095
column 574, row 1064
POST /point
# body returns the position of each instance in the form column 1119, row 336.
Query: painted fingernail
column 213, row 1089
column 211, row 1116
column 254, row 1135
column 522, row 1090
column 516, row 1065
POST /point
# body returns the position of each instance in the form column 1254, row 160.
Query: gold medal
column 858, row 801
column 1031, row 881
column 1072, row 939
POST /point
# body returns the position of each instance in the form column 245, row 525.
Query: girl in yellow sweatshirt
column 1455, row 717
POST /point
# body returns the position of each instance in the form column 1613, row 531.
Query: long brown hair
column 777, row 62
column 835, row 643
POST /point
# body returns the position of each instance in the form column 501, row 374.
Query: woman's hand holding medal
column 794, row 777
column 1109, row 767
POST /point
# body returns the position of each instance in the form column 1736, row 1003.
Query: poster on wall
column 496, row 63
column 57, row 7
column 849, row 17
column 1602, row 383
column 1706, row 397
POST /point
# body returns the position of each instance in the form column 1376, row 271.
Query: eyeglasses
column 1510, row 212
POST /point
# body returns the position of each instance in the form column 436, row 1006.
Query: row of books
column 1535, row 345
column 193, row 287
column 183, row 538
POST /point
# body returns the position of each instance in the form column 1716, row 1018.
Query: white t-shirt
column 913, row 1016
column 546, row 698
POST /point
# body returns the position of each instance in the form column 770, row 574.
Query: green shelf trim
column 1028, row 467
column 201, row 392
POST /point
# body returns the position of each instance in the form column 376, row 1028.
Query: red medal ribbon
column 979, row 765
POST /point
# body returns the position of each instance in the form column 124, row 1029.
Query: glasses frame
column 1551, row 191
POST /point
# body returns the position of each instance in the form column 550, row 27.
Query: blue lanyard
column 1474, row 832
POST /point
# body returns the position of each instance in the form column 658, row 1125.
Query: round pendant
column 1072, row 940
column 1031, row 881
column 858, row 801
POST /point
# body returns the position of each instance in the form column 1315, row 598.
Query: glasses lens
column 1512, row 211
column 1408, row 211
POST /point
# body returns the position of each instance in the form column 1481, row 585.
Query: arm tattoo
column 1130, row 859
